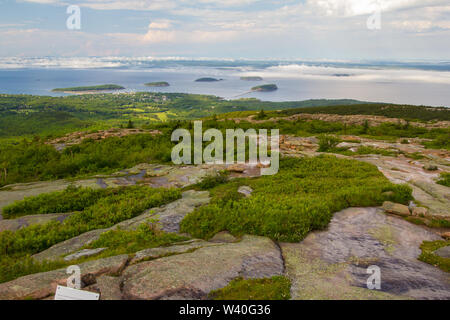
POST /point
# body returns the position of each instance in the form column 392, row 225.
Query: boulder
column 170, row 216
column 443, row 252
column 419, row 211
column 246, row 191
column 154, row 253
column 83, row 253
column 446, row 235
column 194, row 275
column 223, row 237
column 108, row 287
column 236, row 168
column 69, row 246
column 42, row 285
column 396, row 208
column 25, row 221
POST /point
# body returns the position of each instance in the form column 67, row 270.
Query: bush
column 327, row 142
column 444, row 179
column 69, row 200
column 212, row 181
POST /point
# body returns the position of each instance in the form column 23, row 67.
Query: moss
column 428, row 256
column 275, row 288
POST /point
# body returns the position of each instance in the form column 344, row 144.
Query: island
column 252, row 78
column 157, row 84
column 265, row 88
column 90, row 89
column 208, row 80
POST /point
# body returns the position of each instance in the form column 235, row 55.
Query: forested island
column 252, row 78
column 265, row 88
column 208, row 79
column 158, row 84
column 103, row 87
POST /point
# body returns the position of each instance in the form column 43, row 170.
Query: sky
column 236, row 29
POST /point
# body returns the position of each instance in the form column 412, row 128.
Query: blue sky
column 306, row 29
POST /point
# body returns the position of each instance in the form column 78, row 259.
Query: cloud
column 324, row 28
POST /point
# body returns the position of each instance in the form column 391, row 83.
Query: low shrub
column 69, row 200
column 327, row 142
column 302, row 197
column 275, row 288
column 444, row 179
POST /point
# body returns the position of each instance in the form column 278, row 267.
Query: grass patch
column 427, row 255
column 302, row 197
column 69, row 200
column 275, row 288
column 444, row 179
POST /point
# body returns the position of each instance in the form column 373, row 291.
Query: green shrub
column 428, row 256
column 69, row 200
column 302, row 197
column 15, row 267
column 212, row 181
column 275, row 288
column 444, row 179
column 327, row 142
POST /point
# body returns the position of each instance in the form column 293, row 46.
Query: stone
column 25, row 221
column 170, row 215
column 332, row 264
column 83, row 253
column 396, row 208
column 443, row 252
column 223, row 237
column 69, row 246
column 154, row 253
column 236, row 168
column 42, row 285
column 193, row 275
column 108, row 287
column 419, row 211
column 446, row 235
column 246, row 191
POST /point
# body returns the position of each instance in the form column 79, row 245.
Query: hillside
column 370, row 179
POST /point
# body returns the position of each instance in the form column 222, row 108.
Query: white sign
column 66, row 293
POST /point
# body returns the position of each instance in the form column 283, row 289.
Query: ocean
column 424, row 83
